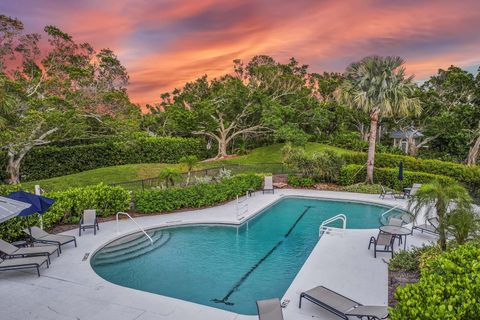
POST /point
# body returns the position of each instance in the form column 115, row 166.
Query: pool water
column 228, row 267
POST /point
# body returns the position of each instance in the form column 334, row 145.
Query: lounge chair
column 38, row 235
column 11, row 251
column 23, row 263
column 384, row 192
column 414, row 189
column 430, row 226
column 270, row 309
column 384, row 240
column 268, row 184
column 341, row 305
column 88, row 221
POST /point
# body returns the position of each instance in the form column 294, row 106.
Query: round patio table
column 397, row 231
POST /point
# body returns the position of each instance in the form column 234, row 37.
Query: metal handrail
column 141, row 229
column 391, row 209
column 340, row 217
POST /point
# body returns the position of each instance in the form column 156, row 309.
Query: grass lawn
column 129, row 172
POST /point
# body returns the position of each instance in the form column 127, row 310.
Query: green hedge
column 468, row 175
column 449, row 288
column 68, row 206
column 300, row 181
column 352, row 174
column 196, row 196
column 51, row 161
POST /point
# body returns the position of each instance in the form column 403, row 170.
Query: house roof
column 399, row 134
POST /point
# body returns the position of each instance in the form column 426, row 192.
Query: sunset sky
column 165, row 43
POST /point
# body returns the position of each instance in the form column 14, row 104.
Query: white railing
column 141, row 229
column 242, row 207
column 389, row 210
column 323, row 226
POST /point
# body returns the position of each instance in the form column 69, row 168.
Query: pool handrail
column 141, row 229
column 340, row 217
column 389, row 210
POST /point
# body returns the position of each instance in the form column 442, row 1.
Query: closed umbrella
column 400, row 173
column 39, row 204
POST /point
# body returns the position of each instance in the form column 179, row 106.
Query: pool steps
column 129, row 250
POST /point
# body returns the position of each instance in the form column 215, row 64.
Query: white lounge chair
column 11, row 251
column 270, row 309
column 268, row 184
column 38, row 235
column 341, row 305
column 23, row 263
column 88, row 221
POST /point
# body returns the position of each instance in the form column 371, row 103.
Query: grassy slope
column 269, row 154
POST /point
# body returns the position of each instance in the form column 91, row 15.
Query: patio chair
column 268, row 184
column 88, row 221
column 342, row 306
column 23, row 263
column 270, row 309
column 414, row 189
column 430, row 226
column 397, row 223
column 384, row 240
column 384, row 192
column 38, row 235
column 11, row 251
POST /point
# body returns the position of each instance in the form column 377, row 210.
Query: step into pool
column 229, row 267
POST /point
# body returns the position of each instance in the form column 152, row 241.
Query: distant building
column 403, row 138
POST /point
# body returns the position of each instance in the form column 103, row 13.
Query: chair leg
column 80, row 231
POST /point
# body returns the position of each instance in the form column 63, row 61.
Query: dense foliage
column 449, row 288
column 469, row 175
column 51, row 161
column 68, row 207
column 295, row 180
column 353, row 173
column 195, row 196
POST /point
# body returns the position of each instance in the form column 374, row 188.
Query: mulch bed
column 399, row 278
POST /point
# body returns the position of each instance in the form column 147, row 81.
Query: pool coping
column 124, row 301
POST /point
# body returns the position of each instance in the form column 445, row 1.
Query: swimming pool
column 228, row 267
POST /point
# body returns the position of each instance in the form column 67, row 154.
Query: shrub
column 69, row 205
column 300, row 181
column 449, row 288
column 469, row 175
column 352, row 174
column 363, row 188
column 412, row 260
column 196, row 196
column 51, row 161
column 327, row 165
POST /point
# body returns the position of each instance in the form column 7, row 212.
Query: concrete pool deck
column 70, row 289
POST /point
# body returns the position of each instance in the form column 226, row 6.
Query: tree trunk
column 371, row 145
column 473, row 153
column 412, row 147
column 442, row 237
column 222, row 148
column 13, row 165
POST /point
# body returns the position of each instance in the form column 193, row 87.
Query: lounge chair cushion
column 8, row 263
column 331, row 298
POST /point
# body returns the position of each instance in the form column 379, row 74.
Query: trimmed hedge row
column 196, row 196
column 51, row 161
column 449, row 288
column 353, row 173
column 469, row 175
column 68, row 206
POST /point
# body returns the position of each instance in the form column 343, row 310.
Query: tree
column 451, row 104
column 67, row 91
column 169, row 176
column 378, row 86
column 446, row 198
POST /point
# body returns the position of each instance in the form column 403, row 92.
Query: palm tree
column 169, row 176
column 378, row 86
column 447, row 198
column 190, row 162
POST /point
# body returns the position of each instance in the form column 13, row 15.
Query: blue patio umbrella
column 39, row 204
